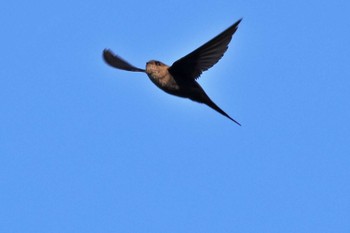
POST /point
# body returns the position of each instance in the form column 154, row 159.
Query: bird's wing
column 117, row 62
column 191, row 66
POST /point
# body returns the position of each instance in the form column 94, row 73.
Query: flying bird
column 179, row 79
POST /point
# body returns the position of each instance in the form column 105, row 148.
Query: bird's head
column 155, row 67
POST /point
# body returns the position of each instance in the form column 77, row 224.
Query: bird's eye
column 157, row 63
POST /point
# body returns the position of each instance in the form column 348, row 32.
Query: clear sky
column 88, row 148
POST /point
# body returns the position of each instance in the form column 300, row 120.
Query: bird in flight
column 179, row 79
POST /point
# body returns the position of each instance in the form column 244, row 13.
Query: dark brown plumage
column 192, row 65
column 180, row 78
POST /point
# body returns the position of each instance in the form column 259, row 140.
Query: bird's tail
column 199, row 95
column 211, row 104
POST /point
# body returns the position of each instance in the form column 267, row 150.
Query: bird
column 180, row 79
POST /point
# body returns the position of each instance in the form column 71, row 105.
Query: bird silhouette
column 179, row 79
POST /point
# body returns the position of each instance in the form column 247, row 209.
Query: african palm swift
column 179, row 79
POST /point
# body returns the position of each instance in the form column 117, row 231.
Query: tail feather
column 211, row 104
column 198, row 94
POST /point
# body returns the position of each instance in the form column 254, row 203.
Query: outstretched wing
column 119, row 63
column 191, row 66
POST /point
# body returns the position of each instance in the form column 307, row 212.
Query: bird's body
column 158, row 73
column 180, row 78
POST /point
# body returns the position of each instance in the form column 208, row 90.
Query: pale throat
column 159, row 75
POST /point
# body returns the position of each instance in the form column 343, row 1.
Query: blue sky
column 87, row 148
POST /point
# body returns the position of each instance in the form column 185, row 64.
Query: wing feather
column 191, row 66
column 118, row 62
